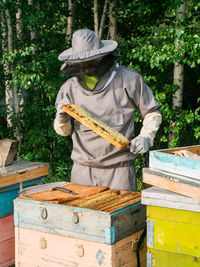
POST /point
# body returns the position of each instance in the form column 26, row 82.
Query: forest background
column 160, row 39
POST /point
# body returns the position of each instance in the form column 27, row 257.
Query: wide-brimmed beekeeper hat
column 86, row 45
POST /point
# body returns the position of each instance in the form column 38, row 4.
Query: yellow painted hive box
column 173, row 229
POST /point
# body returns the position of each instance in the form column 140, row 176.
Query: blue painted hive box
column 182, row 161
column 15, row 177
column 86, row 212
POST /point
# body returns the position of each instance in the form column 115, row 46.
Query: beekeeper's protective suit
column 112, row 93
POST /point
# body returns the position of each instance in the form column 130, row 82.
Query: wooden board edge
column 25, row 176
column 177, row 187
column 172, row 176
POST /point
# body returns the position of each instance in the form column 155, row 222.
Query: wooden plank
column 20, row 167
column 7, row 252
column 172, row 182
column 79, row 222
column 155, row 196
column 158, row 258
column 9, row 193
column 23, row 176
column 176, row 237
column 8, row 149
column 6, row 228
column 58, row 196
column 34, row 248
column 165, row 160
column 99, row 127
column 42, row 187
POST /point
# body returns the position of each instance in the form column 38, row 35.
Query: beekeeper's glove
column 142, row 143
column 61, row 115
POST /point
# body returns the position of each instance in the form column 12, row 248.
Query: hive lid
column 155, row 196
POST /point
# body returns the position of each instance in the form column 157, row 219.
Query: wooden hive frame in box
column 96, row 125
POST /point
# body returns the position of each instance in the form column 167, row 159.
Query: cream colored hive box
column 40, row 249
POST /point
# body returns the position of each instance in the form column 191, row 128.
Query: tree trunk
column 8, row 90
column 8, row 48
column 113, row 21
column 178, row 74
column 103, row 18
column 32, row 33
column 96, row 18
column 19, row 24
column 179, row 68
column 70, row 21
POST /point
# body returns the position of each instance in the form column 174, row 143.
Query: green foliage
column 147, row 34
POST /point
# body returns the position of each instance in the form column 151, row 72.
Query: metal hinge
column 150, row 233
column 149, row 259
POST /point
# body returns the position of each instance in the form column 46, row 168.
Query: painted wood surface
column 166, row 161
column 174, row 230
column 159, row 258
column 6, row 228
column 79, row 222
column 7, row 252
column 35, row 248
column 9, row 193
column 175, row 183
column 155, row 196
column 22, row 176
column 20, row 167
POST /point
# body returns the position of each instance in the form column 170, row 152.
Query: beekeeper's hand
column 61, row 115
column 140, row 144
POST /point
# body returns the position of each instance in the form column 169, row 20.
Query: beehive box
column 95, row 213
column 12, row 179
column 36, row 248
column 9, row 193
column 7, row 243
column 173, row 228
column 182, row 161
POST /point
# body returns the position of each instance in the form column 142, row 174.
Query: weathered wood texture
column 158, row 258
column 35, row 248
column 7, row 254
column 87, row 222
column 21, row 171
column 15, row 177
column 155, row 196
column 6, row 228
column 166, row 160
column 9, row 193
column 79, row 222
column 8, row 149
column 174, row 230
column 99, row 127
column 176, row 183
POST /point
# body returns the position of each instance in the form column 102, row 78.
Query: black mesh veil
column 96, row 67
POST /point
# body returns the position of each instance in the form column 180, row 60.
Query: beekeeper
column 112, row 93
